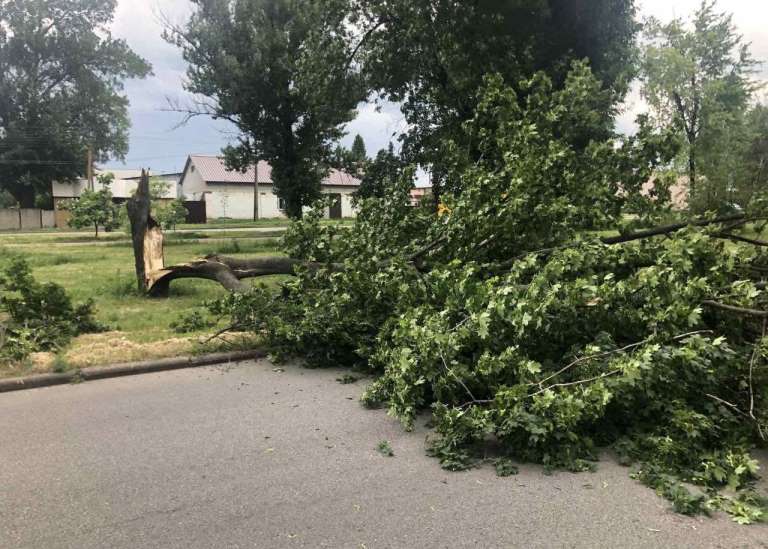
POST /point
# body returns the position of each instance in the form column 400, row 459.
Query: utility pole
column 89, row 167
column 256, row 189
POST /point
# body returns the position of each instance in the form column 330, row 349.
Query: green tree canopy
column 61, row 75
column 353, row 161
column 696, row 77
column 278, row 70
column 431, row 56
column 381, row 174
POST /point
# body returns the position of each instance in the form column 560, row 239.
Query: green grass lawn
column 139, row 327
column 17, row 239
column 240, row 223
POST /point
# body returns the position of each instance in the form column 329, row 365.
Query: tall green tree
column 696, row 76
column 381, row 174
column 431, row 56
column 359, row 154
column 757, row 152
column 279, row 70
column 353, row 161
column 61, row 82
column 737, row 170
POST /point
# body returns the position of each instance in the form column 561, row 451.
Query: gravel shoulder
column 259, row 456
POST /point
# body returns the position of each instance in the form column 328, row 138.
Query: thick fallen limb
column 744, row 239
column 209, row 270
column 669, row 229
column 154, row 278
column 230, row 271
column 738, row 310
column 265, row 266
column 632, row 237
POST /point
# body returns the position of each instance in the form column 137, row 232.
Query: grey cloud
column 139, row 22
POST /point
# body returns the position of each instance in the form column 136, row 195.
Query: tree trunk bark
column 138, row 207
column 436, row 190
column 691, row 168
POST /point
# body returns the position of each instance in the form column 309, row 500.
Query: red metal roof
column 213, row 170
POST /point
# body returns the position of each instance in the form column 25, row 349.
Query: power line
column 39, row 162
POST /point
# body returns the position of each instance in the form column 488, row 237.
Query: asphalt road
column 249, row 456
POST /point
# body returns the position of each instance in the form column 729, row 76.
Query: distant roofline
column 98, row 171
column 323, row 183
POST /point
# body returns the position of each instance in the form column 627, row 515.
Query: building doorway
column 335, row 209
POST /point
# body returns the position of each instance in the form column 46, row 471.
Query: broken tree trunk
column 146, row 235
column 154, row 278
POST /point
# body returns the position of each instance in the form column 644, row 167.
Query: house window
column 281, row 203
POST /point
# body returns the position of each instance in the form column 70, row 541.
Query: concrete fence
column 14, row 219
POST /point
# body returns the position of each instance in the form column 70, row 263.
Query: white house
column 122, row 186
column 230, row 194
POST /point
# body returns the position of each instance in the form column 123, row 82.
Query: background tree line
column 290, row 73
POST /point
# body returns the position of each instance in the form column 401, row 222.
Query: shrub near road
column 38, row 317
column 508, row 321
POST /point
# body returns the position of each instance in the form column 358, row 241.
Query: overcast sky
column 156, row 143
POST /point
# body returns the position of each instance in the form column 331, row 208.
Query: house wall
column 68, row 190
column 235, row 200
column 62, row 218
column 193, row 187
column 269, row 204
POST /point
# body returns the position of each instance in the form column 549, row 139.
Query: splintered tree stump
column 145, row 254
column 154, row 278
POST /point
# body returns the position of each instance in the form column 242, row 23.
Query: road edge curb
column 94, row 373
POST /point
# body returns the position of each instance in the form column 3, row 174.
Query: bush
column 95, row 208
column 37, row 317
column 171, row 214
column 194, row 321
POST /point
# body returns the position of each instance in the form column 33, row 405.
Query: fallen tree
column 512, row 318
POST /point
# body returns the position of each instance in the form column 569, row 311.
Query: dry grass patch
column 115, row 347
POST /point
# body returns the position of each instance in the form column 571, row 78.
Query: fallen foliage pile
column 514, row 319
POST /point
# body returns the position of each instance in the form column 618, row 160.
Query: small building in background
column 418, row 194
column 678, row 192
column 231, row 194
column 122, row 187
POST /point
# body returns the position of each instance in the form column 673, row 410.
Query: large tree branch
column 366, row 36
column 733, row 309
column 632, row 237
column 669, row 229
column 744, row 239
